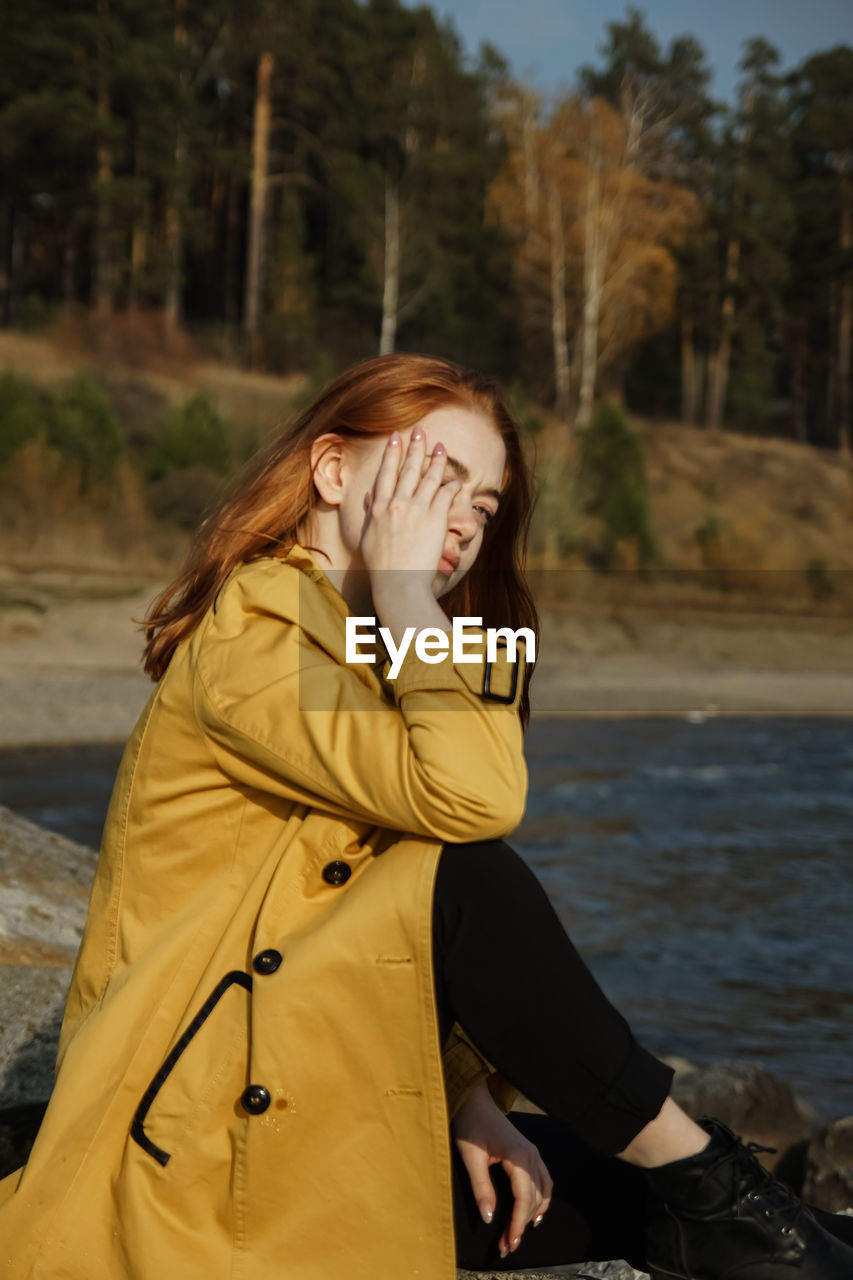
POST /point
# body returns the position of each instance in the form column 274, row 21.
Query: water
column 705, row 872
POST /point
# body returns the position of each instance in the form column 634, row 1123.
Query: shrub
column 192, row 436
column 818, row 578
column 33, row 313
column 322, row 370
column 554, row 526
column 23, row 410
column 184, row 495
column 82, row 425
column 529, row 418
column 707, row 535
column 612, row 479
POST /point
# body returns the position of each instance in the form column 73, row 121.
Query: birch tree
column 529, row 199
column 597, row 233
column 664, row 92
column 399, row 152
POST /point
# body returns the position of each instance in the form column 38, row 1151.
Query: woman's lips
column 447, row 566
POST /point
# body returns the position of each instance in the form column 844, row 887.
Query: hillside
column 740, row 521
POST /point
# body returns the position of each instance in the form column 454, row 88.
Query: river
column 703, row 869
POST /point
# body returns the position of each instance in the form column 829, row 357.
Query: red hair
column 260, row 511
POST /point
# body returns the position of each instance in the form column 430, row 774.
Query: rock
column 591, row 1270
column 608, row 1271
column 680, row 1066
column 757, row 1105
column 31, row 1003
column 18, row 1128
column 524, row 1104
column 828, row 1175
column 45, row 881
column 44, row 892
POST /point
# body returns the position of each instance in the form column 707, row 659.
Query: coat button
column 255, row 1099
column 267, row 961
column 337, row 872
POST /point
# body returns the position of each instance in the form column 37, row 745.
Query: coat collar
column 301, row 558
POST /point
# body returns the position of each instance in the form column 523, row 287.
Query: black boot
column 720, row 1216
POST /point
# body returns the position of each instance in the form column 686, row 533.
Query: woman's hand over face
column 406, row 526
column 485, row 1137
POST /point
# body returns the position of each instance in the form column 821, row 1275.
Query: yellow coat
column 250, row 1082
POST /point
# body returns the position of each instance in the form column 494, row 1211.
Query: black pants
column 506, row 970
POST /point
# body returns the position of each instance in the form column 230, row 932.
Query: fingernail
column 439, row 448
column 486, row 1214
column 418, row 433
column 538, row 1219
column 395, row 439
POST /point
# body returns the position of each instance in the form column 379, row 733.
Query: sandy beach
column 70, row 660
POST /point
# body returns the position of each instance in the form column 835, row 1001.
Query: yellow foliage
column 616, row 216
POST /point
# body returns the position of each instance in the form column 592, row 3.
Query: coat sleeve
column 440, row 755
column 465, row 1068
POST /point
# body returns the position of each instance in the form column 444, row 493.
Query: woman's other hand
column 406, row 526
column 405, row 531
column 484, row 1136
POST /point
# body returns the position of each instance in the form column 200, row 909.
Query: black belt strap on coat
column 137, row 1130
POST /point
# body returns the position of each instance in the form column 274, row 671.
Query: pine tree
column 822, row 103
column 755, row 224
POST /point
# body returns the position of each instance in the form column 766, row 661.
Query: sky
column 545, row 41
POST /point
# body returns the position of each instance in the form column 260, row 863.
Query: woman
column 313, row 973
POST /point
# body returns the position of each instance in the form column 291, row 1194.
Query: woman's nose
column 461, row 519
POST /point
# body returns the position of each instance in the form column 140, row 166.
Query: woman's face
column 476, row 455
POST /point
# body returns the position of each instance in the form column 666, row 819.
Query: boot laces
column 753, row 1184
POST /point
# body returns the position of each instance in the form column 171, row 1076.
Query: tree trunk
column 689, row 371
column 17, row 249
column 593, row 270
column 69, row 266
column 138, row 235
column 832, row 423
column 174, row 245
column 174, row 212
column 231, row 254
column 798, row 388
column 257, row 207
column 391, row 310
column 845, row 327
column 391, row 286
column 103, row 273
column 7, row 216
column 559, row 336
column 138, row 255
column 531, row 176
column 720, row 360
column 718, row 364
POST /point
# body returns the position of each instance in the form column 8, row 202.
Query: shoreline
column 63, row 704
column 70, row 665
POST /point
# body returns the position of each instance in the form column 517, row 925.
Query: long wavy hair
column 259, row 512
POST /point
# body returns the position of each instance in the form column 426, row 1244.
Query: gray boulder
column 592, row 1270
column 828, row 1181
column 44, row 892
column 606, row 1271
column 754, row 1103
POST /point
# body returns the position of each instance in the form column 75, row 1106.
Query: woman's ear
column 326, row 460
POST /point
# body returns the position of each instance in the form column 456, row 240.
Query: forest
column 297, row 184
